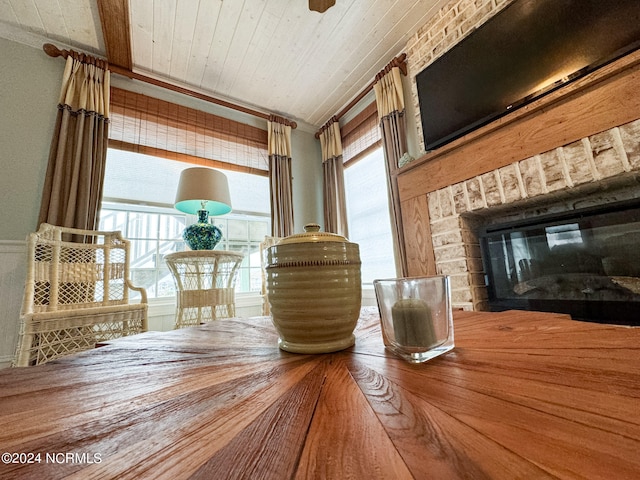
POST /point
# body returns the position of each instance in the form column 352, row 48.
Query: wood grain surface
column 522, row 395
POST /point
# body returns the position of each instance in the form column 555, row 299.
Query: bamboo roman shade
column 159, row 128
column 361, row 134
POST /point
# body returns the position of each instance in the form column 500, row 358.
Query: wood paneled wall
column 604, row 99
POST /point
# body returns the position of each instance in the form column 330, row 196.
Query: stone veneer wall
column 449, row 26
column 605, row 155
column 597, row 160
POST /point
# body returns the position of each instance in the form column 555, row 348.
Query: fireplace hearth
column 582, row 262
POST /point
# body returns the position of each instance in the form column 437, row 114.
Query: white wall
column 307, row 180
column 29, row 90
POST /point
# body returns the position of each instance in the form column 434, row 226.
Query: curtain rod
column 54, row 51
column 399, row 61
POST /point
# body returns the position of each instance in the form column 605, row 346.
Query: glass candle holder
column 415, row 316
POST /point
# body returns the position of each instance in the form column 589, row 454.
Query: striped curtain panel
column 391, row 114
column 75, row 173
column 335, row 205
column 280, row 177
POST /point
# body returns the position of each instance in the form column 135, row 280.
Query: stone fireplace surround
column 440, row 219
column 599, row 169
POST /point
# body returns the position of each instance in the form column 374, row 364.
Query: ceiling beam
column 321, row 5
column 114, row 18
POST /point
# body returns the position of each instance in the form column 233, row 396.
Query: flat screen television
column 527, row 50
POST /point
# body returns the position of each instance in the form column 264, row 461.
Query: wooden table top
column 523, row 395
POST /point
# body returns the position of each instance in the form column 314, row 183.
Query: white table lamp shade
column 201, row 184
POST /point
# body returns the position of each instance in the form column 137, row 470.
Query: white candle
column 412, row 323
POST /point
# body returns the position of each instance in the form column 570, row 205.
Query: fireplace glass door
column 585, row 263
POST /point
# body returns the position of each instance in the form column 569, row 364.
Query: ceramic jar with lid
column 314, row 290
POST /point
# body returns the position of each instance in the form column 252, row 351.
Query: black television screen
column 525, row 51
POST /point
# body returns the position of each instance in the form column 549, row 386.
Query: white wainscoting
column 13, row 273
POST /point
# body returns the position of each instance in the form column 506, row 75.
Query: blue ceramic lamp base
column 202, row 235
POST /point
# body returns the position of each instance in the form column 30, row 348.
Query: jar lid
column 312, row 234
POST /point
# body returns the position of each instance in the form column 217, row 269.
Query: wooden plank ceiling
column 272, row 55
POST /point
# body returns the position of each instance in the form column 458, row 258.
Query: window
column 153, row 233
column 138, row 198
column 365, row 179
column 243, row 233
column 368, row 215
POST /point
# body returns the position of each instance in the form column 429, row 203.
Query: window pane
column 258, row 230
column 368, row 216
column 171, row 226
column 142, row 225
column 144, row 253
column 111, row 221
column 165, row 285
column 238, row 230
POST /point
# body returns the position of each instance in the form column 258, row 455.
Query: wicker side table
column 205, row 283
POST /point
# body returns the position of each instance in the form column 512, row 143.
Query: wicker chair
column 76, row 294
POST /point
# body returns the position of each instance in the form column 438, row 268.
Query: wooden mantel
column 606, row 98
